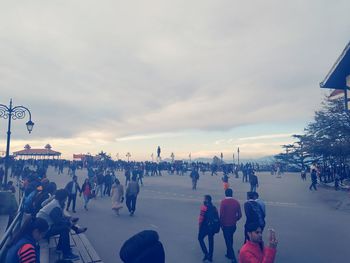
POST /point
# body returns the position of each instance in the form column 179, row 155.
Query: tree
column 326, row 138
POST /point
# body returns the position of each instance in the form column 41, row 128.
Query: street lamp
column 13, row 113
column 128, row 155
column 172, row 157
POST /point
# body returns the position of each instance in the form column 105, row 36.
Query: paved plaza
column 311, row 226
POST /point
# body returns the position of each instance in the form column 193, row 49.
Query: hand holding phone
column 272, row 238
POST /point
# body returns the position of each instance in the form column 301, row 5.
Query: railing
column 14, row 226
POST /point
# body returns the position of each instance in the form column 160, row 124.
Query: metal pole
column 7, row 157
column 238, row 155
column 346, row 98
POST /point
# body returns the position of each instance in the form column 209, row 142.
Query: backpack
column 259, row 213
column 213, row 221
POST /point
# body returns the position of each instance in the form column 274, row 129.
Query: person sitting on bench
column 60, row 224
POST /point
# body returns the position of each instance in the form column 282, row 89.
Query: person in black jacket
column 143, row 247
column 254, row 213
column 72, row 188
column 253, row 179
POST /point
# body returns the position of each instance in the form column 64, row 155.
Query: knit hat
column 143, row 247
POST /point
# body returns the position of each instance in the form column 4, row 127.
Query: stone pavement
column 310, row 225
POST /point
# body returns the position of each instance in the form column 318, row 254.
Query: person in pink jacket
column 253, row 251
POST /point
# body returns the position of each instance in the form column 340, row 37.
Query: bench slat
column 94, row 256
column 84, row 255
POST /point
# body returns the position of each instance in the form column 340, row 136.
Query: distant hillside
column 261, row 160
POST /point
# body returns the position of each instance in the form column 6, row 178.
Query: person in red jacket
column 253, row 251
column 230, row 213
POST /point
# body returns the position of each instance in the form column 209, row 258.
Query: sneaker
column 74, row 211
column 71, row 256
column 75, row 220
column 81, row 230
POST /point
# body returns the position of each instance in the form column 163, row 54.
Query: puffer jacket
column 252, row 253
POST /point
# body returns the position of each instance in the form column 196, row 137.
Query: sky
column 200, row 77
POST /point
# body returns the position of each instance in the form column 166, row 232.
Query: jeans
column 253, row 187
column 86, row 200
column 313, row 185
column 131, row 202
column 64, row 241
column 107, row 190
column 194, row 184
column 71, row 198
column 228, row 232
column 99, row 189
column 201, row 235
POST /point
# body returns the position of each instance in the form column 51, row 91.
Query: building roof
column 336, row 78
column 37, row 152
column 81, row 156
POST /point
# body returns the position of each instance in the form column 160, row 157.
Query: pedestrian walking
column 132, row 191
column 99, row 183
column 230, row 213
column 194, row 177
column 254, row 183
column 254, row 213
column 209, row 225
column 86, row 190
column 127, row 176
column 108, row 180
column 72, row 188
column 303, row 174
column 117, row 196
column 253, row 251
column 313, row 180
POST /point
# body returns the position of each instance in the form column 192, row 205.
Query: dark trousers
column 201, row 235
column 70, row 199
column 253, row 187
column 228, row 232
column 63, row 242
column 313, row 185
column 131, row 202
column 194, row 184
column 107, row 190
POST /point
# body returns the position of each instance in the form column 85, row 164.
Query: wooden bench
column 80, row 246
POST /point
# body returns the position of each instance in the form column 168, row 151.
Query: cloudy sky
column 191, row 76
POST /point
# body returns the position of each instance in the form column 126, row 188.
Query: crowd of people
column 211, row 221
column 48, row 208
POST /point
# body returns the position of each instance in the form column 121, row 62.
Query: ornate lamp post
column 13, row 113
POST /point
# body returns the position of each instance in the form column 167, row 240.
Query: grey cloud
column 161, row 66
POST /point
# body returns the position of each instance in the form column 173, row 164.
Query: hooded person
column 143, row 247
